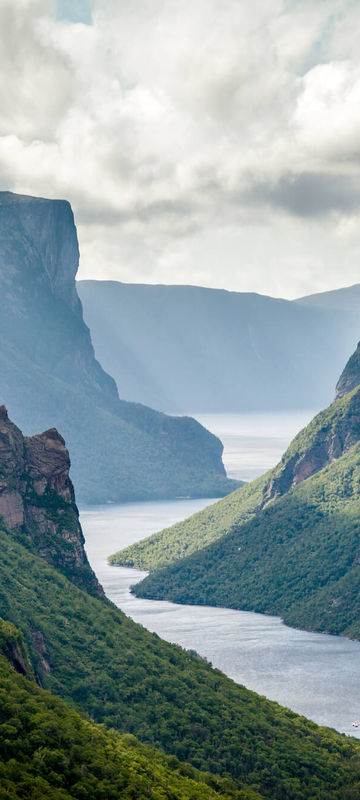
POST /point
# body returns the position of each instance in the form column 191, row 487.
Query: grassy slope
column 300, row 557
column 120, row 674
column 50, row 751
column 205, row 527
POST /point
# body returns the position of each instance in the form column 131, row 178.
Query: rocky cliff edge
column 37, row 500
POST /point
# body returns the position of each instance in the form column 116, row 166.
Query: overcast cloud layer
column 214, row 142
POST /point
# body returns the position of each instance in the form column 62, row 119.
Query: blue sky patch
column 74, row 10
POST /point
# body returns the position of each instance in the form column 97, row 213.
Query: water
column 314, row 674
column 253, row 443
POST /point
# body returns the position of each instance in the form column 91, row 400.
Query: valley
column 314, row 674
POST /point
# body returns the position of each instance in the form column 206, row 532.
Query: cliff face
column 41, row 313
column 350, row 377
column 37, row 500
column 13, row 647
column 330, row 434
column 49, row 375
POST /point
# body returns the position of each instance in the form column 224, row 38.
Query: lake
column 314, row 674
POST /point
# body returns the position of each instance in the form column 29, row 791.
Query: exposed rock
column 37, row 500
column 40, row 648
column 350, row 377
column 325, row 439
column 13, row 647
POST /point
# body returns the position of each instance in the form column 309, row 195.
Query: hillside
column 189, row 348
column 330, row 434
column 299, row 558
column 48, row 750
column 86, row 651
column 287, row 544
column 50, row 377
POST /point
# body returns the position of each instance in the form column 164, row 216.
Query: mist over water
column 314, row 674
column 254, row 443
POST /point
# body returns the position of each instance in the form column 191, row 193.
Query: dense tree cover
column 194, row 533
column 101, row 662
column 50, row 751
column 299, row 557
column 329, row 434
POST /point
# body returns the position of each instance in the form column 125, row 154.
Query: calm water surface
column 314, row 674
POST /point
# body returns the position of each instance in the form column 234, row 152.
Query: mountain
column 287, row 544
column 182, row 348
column 346, row 299
column 82, row 649
column 49, row 375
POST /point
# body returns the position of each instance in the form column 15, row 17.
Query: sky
column 212, row 142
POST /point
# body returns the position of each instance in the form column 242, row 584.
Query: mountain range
column 189, row 348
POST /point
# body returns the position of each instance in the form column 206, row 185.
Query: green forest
column 86, row 651
column 299, row 558
column 48, row 750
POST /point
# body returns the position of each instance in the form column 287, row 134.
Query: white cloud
column 197, row 142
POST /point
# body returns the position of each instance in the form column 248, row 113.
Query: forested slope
column 48, row 750
column 86, row 651
column 331, row 433
column 299, row 558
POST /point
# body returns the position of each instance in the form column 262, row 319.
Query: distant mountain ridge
column 189, row 348
column 344, row 299
column 49, row 376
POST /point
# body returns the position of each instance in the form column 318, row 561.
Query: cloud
column 310, row 194
column 176, row 128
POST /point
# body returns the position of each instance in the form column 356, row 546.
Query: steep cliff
column 50, row 377
column 37, row 500
column 350, row 377
column 327, row 437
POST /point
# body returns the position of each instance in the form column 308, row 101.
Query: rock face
column 350, row 377
column 12, row 646
column 49, row 375
column 37, row 500
column 330, row 434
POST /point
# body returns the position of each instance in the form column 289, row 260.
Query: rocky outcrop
column 350, row 377
column 49, row 375
column 330, row 434
column 37, row 500
column 12, row 646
